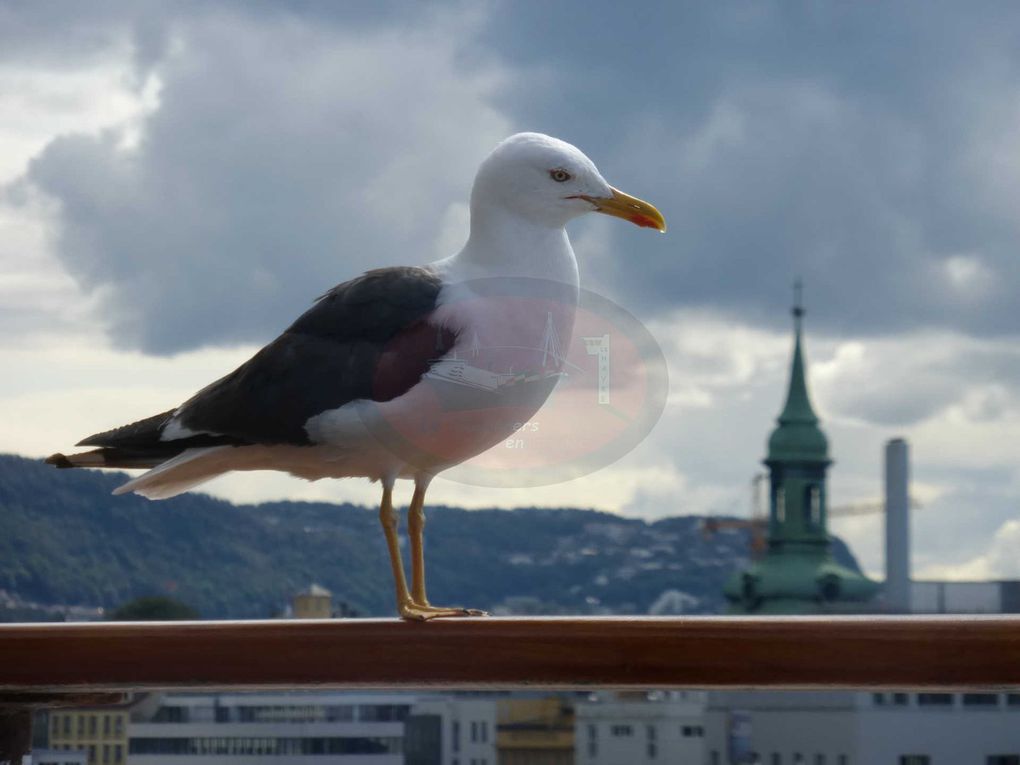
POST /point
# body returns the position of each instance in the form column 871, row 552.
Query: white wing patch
column 174, row 431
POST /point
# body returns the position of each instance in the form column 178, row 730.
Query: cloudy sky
column 178, row 180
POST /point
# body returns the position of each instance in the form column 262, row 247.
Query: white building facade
column 55, row 757
column 457, row 730
column 274, row 729
column 857, row 728
column 640, row 729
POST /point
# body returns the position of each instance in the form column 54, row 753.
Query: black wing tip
column 144, row 432
column 60, row 461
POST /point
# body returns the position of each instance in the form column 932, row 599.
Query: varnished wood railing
column 808, row 652
column 90, row 664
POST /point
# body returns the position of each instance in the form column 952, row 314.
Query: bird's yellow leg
column 388, row 519
column 416, row 532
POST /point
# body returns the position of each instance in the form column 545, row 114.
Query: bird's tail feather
column 179, row 474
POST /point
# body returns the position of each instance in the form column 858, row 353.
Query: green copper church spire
column 798, row 574
column 798, row 402
column 798, row 435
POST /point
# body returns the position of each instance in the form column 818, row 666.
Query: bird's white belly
column 426, row 430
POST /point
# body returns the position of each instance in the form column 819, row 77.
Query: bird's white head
column 548, row 182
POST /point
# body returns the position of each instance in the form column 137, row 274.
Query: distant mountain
column 67, row 541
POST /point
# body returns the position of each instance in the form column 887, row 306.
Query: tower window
column 815, row 504
column 781, row 504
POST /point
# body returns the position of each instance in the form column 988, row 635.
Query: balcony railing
column 617, row 652
column 45, row 664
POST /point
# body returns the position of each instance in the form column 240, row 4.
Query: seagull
column 380, row 378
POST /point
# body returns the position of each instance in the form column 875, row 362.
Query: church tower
column 798, row 574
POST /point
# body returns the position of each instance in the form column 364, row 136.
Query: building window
column 878, row 698
column 93, row 725
column 1013, row 699
column 474, row 734
column 776, row 759
column 455, row 735
column 819, row 759
column 118, row 726
column 900, row 699
column 715, row 757
column 381, row 712
column 592, row 732
column 176, row 715
column 652, row 750
column 593, row 749
column 798, row 757
column 814, row 502
column 1003, row 759
column 118, row 754
column 81, row 725
column 935, row 699
column 622, row 730
column 980, row 700
column 914, row 759
column 483, row 726
column 650, row 730
column 844, row 760
column 780, row 504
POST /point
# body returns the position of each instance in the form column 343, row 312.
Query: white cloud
column 907, row 379
column 38, row 104
column 1000, row 560
column 67, row 389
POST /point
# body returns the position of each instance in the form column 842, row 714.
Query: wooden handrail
column 612, row 652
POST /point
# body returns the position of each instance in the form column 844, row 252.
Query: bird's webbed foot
column 418, row 612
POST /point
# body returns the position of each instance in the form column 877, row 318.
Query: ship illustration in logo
column 462, row 384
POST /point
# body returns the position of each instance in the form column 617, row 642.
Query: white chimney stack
column 897, row 526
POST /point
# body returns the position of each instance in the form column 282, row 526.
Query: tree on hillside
column 153, row 609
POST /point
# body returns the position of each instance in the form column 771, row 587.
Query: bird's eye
column 559, row 175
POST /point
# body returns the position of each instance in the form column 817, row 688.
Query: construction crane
column 757, row 524
column 867, row 508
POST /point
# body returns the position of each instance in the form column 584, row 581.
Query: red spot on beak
column 641, row 220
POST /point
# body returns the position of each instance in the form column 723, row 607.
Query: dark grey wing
column 369, row 338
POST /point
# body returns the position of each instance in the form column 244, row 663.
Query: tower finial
column 798, row 301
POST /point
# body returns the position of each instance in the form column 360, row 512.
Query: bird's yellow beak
column 630, row 208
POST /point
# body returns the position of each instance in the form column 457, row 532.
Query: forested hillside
column 67, row 541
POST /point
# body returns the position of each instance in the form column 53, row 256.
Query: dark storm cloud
column 866, row 148
column 280, row 160
column 64, row 32
column 861, row 146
